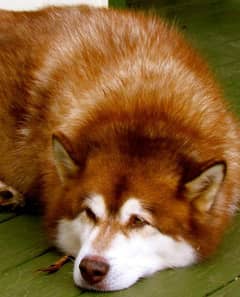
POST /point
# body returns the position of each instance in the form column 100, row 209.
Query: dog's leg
column 9, row 197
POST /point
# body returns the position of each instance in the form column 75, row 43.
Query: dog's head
column 130, row 209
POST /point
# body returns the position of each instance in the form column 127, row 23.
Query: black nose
column 93, row 269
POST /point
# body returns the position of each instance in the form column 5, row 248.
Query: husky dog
column 117, row 126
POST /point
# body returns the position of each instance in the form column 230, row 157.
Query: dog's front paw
column 9, row 197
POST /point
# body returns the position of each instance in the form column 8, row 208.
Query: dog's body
column 119, row 128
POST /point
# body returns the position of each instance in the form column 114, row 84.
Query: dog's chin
column 102, row 286
column 99, row 287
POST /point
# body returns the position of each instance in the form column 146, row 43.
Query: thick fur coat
column 115, row 105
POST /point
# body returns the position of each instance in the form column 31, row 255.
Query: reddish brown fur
column 140, row 109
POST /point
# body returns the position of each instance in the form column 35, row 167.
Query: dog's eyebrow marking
column 133, row 207
column 97, row 205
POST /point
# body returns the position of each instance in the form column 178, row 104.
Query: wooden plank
column 232, row 290
column 169, row 3
column 117, row 3
column 5, row 216
column 218, row 55
column 230, row 73
column 204, row 20
column 25, row 281
column 21, row 239
column 228, row 76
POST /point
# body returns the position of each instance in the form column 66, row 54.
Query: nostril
column 93, row 269
column 99, row 272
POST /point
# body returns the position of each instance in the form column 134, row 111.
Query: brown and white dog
column 115, row 123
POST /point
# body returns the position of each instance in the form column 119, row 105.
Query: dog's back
column 44, row 53
column 24, row 40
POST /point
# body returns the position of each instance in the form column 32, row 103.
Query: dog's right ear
column 65, row 165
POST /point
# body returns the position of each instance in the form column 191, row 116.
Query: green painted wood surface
column 25, row 281
column 214, row 28
column 6, row 216
column 232, row 290
column 117, row 3
column 21, row 239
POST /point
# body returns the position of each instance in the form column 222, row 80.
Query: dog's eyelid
column 90, row 214
column 137, row 221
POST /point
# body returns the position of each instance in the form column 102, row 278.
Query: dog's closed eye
column 90, row 215
column 136, row 221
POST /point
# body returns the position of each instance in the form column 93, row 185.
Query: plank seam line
column 28, row 260
column 9, row 218
column 222, row 286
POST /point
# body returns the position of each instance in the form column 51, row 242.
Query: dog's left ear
column 62, row 153
column 202, row 190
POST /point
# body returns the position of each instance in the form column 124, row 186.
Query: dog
column 116, row 125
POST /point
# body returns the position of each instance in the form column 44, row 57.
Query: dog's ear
column 202, row 190
column 62, row 153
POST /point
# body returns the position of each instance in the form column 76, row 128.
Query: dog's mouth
column 99, row 287
column 105, row 285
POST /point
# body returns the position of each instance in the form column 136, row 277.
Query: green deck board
column 229, row 76
column 231, row 290
column 21, row 240
column 231, row 71
column 117, row 3
column 6, row 216
column 26, row 281
column 205, row 20
column 218, row 54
